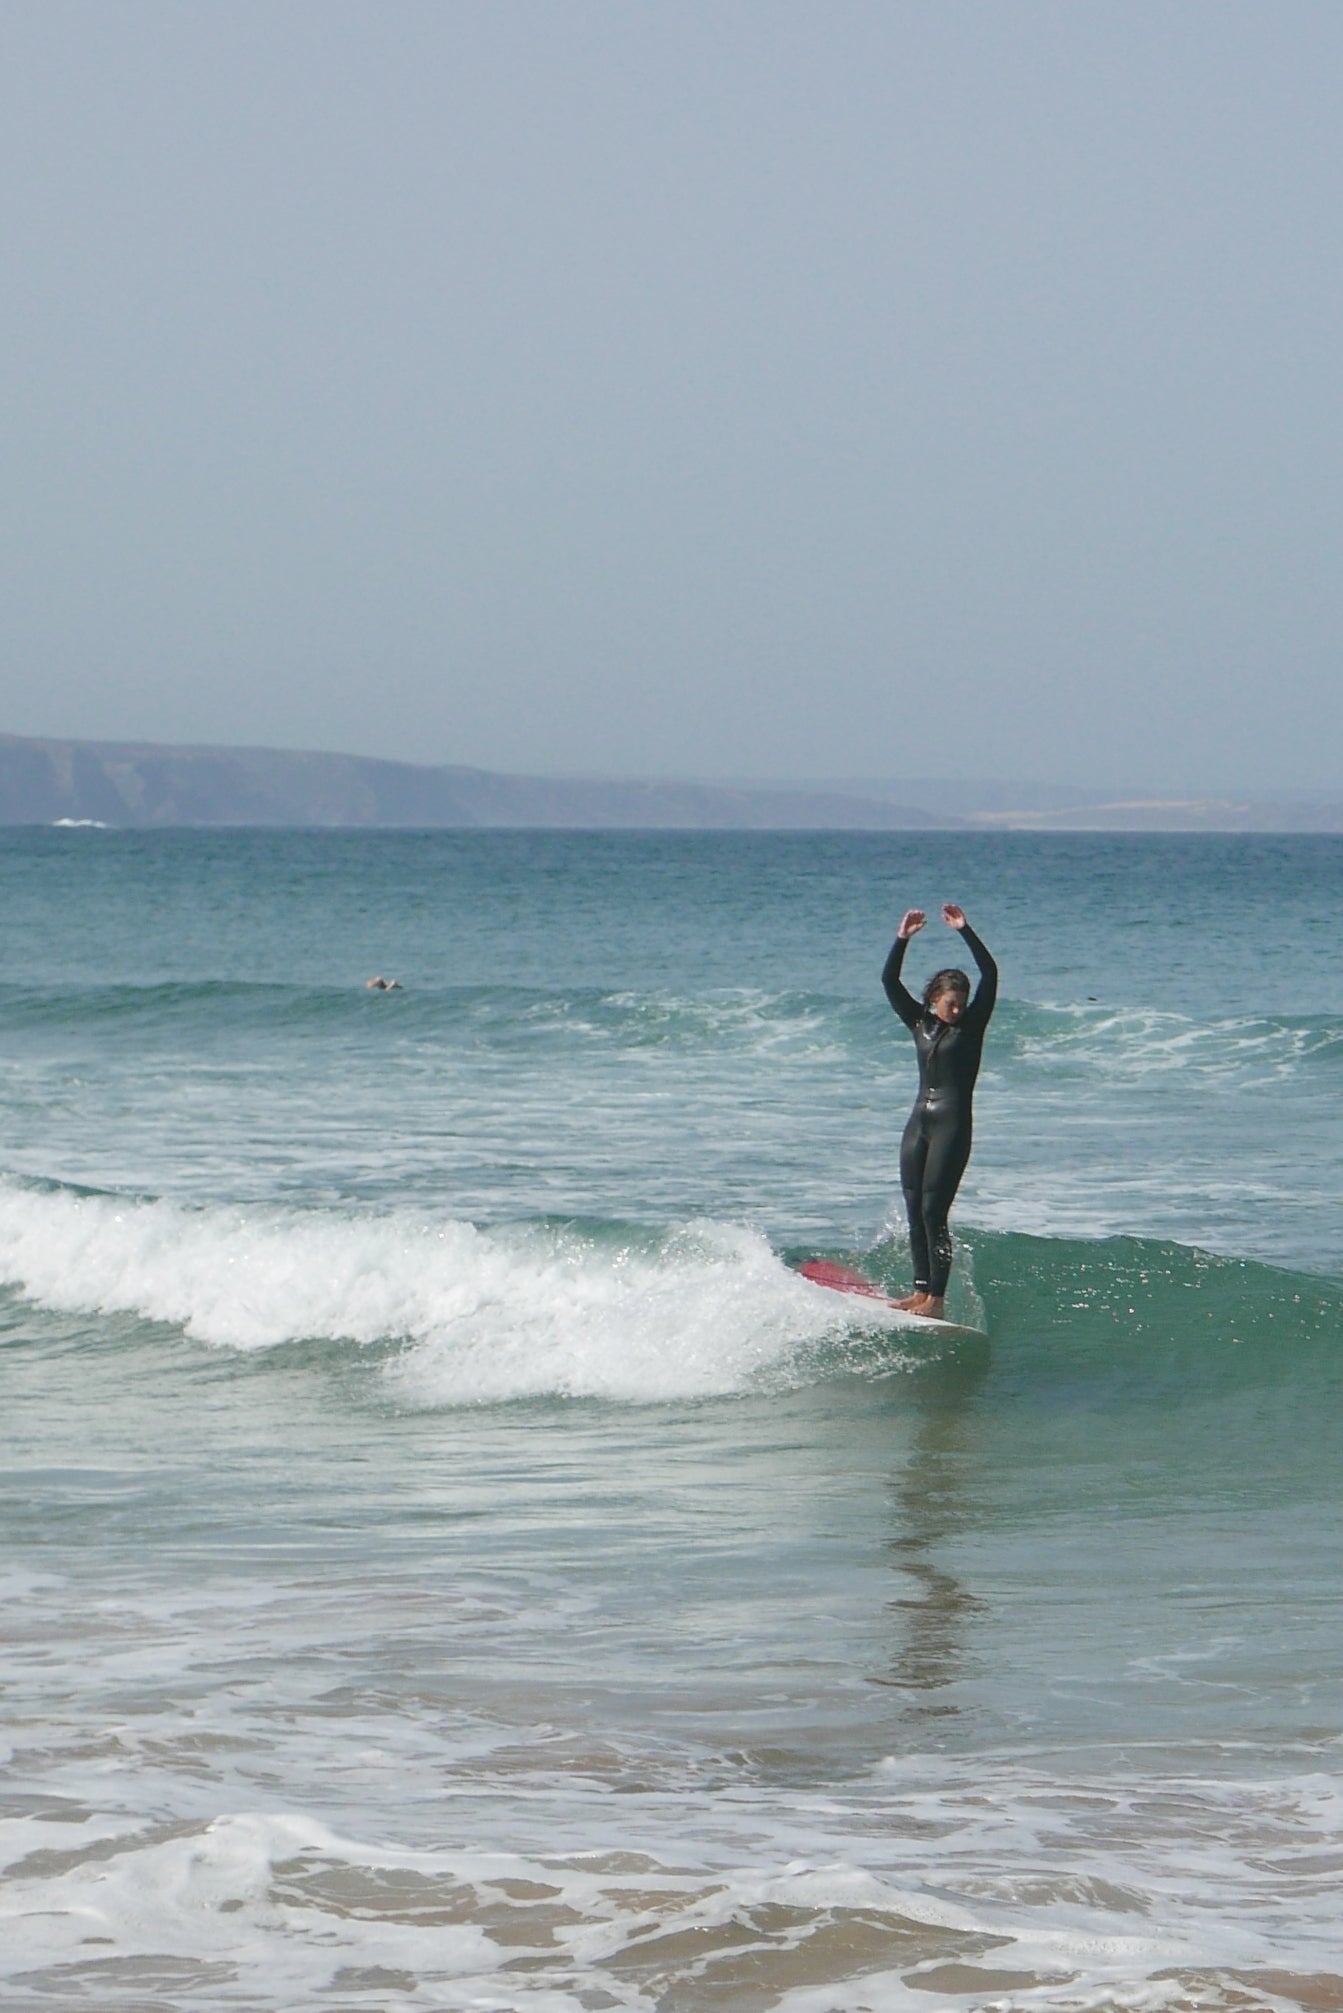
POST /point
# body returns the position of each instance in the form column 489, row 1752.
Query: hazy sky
column 749, row 388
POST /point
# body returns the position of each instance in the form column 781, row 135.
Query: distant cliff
column 139, row 784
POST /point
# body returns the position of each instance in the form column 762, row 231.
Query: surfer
column 948, row 1029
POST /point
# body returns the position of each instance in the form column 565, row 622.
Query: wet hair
column 952, row 980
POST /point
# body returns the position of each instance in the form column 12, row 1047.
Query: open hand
column 953, row 915
column 912, row 921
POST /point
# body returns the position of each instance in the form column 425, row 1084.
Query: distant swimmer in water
column 948, row 1029
column 382, row 985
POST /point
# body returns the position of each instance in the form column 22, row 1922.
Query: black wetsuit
column 936, row 1145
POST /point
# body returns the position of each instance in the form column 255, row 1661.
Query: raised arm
column 986, row 992
column 899, row 995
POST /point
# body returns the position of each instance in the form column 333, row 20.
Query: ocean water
column 450, row 1558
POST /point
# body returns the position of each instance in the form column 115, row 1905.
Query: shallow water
column 452, row 1560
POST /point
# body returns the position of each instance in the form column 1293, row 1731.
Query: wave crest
column 527, row 1310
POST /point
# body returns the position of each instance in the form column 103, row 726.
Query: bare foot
column 910, row 1303
column 930, row 1306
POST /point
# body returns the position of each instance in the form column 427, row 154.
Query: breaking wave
column 541, row 1308
column 466, row 1315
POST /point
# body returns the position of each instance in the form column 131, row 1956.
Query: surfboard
column 843, row 1279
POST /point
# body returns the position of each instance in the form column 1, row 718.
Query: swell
column 1110, row 1045
column 1155, row 1317
column 506, row 1016
column 1130, row 1303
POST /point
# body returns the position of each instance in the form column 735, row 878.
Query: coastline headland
column 132, row 783
column 139, row 784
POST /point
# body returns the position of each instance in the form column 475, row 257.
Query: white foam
column 1119, row 1046
column 208, row 1898
column 276, row 1907
column 485, row 1315
column 705, row 1314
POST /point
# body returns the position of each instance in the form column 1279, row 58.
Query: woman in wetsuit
column 948, row 1030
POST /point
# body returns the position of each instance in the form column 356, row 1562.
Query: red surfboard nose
column 842, row 1278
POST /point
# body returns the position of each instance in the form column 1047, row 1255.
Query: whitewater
column 452, row 1559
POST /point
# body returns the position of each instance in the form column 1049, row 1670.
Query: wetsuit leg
column 913, row 1158
column 948, row 1151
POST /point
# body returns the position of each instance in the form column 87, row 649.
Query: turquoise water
column 452, row 1560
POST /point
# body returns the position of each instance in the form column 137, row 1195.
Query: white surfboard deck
column 836, row 1278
